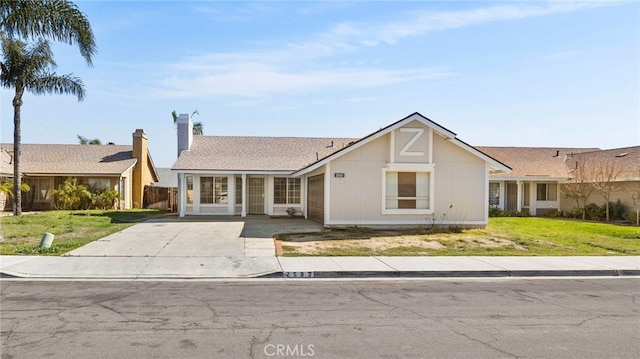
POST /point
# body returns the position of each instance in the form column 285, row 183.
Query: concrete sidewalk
column 194, row 267
column 233, row 247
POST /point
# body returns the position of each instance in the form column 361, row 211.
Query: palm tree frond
column 58, row 84
column 60, row 20
column 198, row 128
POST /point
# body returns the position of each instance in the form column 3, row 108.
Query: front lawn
column 72, row 229
column 504, row 236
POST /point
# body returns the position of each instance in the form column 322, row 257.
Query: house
column 618, row 169
column 126, row 169
column 533, row 183
column 540, row 176
column 412, row 172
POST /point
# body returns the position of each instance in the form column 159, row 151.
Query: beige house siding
column 357, row 196
column 460, row 181
column 624, row 192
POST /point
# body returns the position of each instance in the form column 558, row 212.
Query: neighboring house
column 126, row 169
column 537, row 182
column 533, row 183
column 412, row 172
column 618, row 169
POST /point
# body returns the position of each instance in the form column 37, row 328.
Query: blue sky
column 496, row 73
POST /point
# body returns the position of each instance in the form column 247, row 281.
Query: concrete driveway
column 194, row 246
column 197, row 237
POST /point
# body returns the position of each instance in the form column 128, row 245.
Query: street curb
column 455, row 274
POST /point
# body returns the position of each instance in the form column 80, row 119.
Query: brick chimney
column 140, row 174
column 185, row 132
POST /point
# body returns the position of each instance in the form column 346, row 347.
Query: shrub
column 497, row 212
column 617, row 210
column 595, row 212
column 553, row 214
column 72, row 195
column 632, row 217
column 105, row 199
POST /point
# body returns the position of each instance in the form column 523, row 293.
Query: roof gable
column 444, row 132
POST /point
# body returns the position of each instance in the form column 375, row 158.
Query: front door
column 256, row 195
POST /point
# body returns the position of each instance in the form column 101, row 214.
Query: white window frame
column 409, row 167
column 287, row 189
column 547, row 192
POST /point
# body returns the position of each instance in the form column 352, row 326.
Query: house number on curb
column 297, row 274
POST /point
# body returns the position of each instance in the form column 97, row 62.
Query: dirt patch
column 389, row 242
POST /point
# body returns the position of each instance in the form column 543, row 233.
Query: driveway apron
column 171, row 238
column 171, row 247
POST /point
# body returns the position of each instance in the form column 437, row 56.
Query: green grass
column 72, row 229
column 504, row 236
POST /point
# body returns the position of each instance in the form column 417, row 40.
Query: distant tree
column 604, row 174
column 30, row 68
column 85, row 141
column 198, row 127
column 580, row 187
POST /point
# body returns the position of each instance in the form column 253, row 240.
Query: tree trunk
column 17, row 179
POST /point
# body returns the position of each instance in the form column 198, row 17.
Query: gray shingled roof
column 533, row 161
column 73, row 159
column 234, row 153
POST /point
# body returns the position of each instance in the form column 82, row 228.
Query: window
column 40, row 188
column 525, row 195
column 213, row 190
column 547, row 192
column 189, row 189
column 407, row 190
column 494, row 194
column 286, row 190
column 221, row 190
column 238, row 190
column 98, row 184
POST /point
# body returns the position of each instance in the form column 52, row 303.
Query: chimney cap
column 139, row 133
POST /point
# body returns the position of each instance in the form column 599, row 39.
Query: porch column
column 244, row 195
column 519, row 197
column 182, row 195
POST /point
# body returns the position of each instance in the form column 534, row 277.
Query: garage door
column 315, row 198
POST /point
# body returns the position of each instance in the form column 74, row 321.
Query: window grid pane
column 238, row 190
column 189, row 190
column 206, row 189
column 221, row 190
column 280, row 190
column 293, row 192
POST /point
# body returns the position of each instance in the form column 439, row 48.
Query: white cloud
column 310, row 65
column 255, row 82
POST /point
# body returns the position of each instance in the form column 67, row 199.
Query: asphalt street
column 426, row 318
